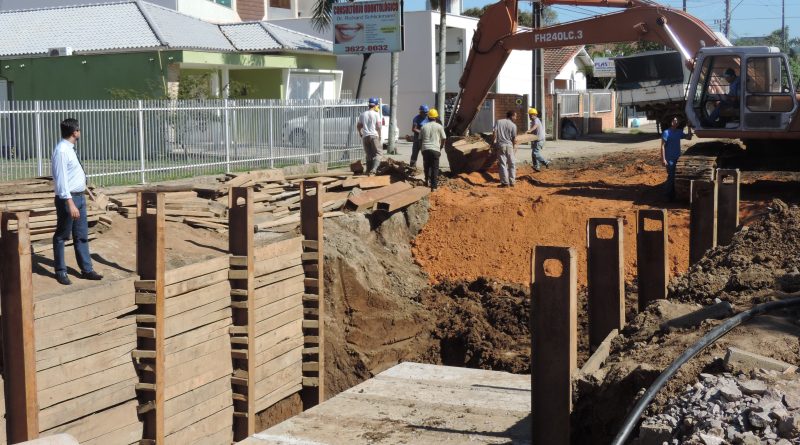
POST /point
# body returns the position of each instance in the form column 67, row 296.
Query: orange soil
column 478, row 229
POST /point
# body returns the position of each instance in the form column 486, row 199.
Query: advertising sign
column 604, row 67
column 367, row 27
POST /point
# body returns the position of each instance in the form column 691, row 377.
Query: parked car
column 337, row 129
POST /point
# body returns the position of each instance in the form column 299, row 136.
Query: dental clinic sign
column 367, row 27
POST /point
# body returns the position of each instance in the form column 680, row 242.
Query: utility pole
column 684, row 5
column 727, row 18
column 783, row 26
column 538, row 66
column 395, row 68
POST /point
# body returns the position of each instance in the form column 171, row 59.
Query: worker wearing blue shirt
column 69, row 181
column 416, row 126
column 671, row 151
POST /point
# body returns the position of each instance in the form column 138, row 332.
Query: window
column 285, row 4
column 769, row 87
column 451, row 57
column 226, row 3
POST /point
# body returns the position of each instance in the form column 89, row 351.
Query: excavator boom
column 496, row 36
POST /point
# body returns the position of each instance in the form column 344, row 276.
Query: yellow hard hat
column 533, row 111
column 433, row 113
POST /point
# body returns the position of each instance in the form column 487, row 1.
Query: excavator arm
column 496, row 36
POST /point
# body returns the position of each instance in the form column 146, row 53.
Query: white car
column 336, row 129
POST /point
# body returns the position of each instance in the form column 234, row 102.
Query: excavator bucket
column 469, row 154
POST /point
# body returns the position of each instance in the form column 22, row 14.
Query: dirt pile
column 482, row 324
column 761, row 258
column 477, row 229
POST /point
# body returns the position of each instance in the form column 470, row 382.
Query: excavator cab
column 740, row 90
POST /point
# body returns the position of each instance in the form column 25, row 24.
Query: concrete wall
column 203, row 9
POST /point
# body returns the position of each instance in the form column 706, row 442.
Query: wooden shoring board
column 268, row 369
column 263, row 327
column 19, row 350
column 284, row 344
column 241, row 216
column 364, row 182
column 279, row 394
column 85, row 347
column 85, row 385
column 182, row 287
column 652, row 264
column 554, row 346
column 311, row 211
column 188, row 400
column 206, row 345
column 210, row 405
column 196, row 298
column 102, row 425
column 727, row 204
column 606, row 277
column 291, row 373
column 90, row 328
column 275, row 336
column 286, row 274
column 198, row 372
column 86, row 366
column 266, row 267
column 80, row 316
column 200, row 335
column 131, row 433
column 197, row 432
column 93, row 402
column 366, row 200
column 275, row 291
column 196, row 270
column 264, row 313
column 150, row 265
column 189, row 320
column 55, row 303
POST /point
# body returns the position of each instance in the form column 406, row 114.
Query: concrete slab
column 414, row 403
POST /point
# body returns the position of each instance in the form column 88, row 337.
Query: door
column 770, row 101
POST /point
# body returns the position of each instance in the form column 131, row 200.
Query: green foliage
column 321, row 15
column 775, row 38
column 524, row 18
column 154, row 91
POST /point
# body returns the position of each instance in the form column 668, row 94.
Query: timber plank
column 195, row 270
column 209, row 344
column 274, row 335
column 200, row 282
column 196, row 298
column 277, row 263
column 277, row 276
column 270, row 310
column 286, row 317
column 402, row 199
column 197, row 373
column 291, row 373
column 280, row 348
column 85, row 366
column 190, row 399
column 212, row 404
column 79, row 407
column 85, row 385
column 278, row 248
column 366, row 200
column 276, row 291
column 106, row 323
column 202, row 429
column 99, row 425
column 279, row 394
column 81, row 315
column 178, row 324
column 85, row 347
column 56, row 303
column 199, row 335
column 367, row 182
column 129, row 434
column 280, row 362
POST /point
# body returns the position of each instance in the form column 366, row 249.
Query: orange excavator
column 762, row 113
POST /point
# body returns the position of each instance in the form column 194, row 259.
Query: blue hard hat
column 374, row 101
column 424, row 108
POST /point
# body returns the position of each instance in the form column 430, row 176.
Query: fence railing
column 570, row 103
column 143, row 141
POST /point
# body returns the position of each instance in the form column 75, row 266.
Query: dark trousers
column 670, row 185
column 430, row 162
column 78, row 229
column 417, row 144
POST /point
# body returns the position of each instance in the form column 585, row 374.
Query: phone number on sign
column 369, row 48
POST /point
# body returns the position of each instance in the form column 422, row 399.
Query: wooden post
column 313, row 392
column 240, row 244
column 149, row 352
column 702, row 219
column 19, row 350
column 554, row 344
column 727, row 204
column 606, row 278
column 651, row 256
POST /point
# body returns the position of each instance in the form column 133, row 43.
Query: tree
column 775, row 38
column 524, row 18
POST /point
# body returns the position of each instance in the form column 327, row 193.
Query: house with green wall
column 138, row 50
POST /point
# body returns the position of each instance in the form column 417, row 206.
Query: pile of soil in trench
column 761, row 259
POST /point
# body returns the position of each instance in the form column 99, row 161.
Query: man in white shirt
column 369, row 128
column 69, row 181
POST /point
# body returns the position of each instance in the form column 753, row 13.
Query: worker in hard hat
column 537, row 129
column 432, row 137
column 504, row 137
column 369, row 128
column 416, row 125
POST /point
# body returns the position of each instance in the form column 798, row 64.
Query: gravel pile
column 727, row 409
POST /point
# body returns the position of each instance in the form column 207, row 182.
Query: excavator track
column 693, row 167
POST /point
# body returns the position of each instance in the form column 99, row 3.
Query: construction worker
column 671, row 151
column 729, row 101
column 538, row 145
column 369, row 128
column 504, row 136
column 416, row 125
column 432, row 138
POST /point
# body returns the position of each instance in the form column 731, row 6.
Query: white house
column 214, row 11
column 564, row 68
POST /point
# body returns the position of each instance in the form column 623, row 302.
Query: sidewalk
column 589, row 146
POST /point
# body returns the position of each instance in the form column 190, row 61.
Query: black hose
column 712, row 336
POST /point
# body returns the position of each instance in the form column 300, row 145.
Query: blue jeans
column 536, row 147
column 670, row 185
column 77, row 228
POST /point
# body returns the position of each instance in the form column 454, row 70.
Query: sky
column 748, row 17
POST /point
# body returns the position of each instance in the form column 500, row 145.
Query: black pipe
column 712, row 336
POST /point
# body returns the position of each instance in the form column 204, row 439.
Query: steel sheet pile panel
column 702, row 219
column 85, row 377
column 198, row 400
column 651, row 256
column 606, row 275
column 727, row 205
column 278, row 313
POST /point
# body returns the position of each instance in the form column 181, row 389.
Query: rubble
column 729, row 409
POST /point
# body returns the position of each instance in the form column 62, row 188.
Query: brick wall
column 504, row 103
column 250, row 9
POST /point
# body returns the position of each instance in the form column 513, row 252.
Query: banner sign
column 604, row 67
column 367, row 27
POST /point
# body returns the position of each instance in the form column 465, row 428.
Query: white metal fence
column 143, row 141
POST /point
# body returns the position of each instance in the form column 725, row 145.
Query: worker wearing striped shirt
column 69, row 181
